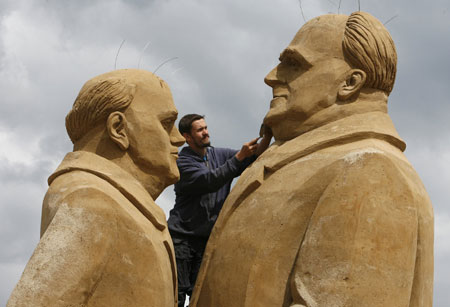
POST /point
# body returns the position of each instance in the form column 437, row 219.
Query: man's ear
column 115, row 125
column 187, row 137
column 354, row 81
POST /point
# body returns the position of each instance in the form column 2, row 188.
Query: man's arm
column 360, row 246
column 197, row 178
column 70, row 257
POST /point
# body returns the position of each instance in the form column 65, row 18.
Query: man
column 332, row 214
column 104, row 242
column 206, row 175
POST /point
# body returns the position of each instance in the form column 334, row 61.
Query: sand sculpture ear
column 353, row 83
column 115, row 125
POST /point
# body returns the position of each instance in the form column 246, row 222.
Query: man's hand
column 247, row 150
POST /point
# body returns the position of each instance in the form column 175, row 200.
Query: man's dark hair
column 186, row 121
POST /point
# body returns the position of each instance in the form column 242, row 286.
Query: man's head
column 194, row 129
column 331, row 59
column 129, row 112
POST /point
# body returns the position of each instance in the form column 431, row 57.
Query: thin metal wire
column 390, row 19
column 176, row 70
column 142, row 53
column 332, row 2
column 117, row 55
column 339, row 7
column 301, row 9
column 359, row 5
column 166, row 61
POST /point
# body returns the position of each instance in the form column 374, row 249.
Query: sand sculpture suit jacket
column 104, row 242
column 335, row 217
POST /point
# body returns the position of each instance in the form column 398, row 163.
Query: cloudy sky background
column 48, row 49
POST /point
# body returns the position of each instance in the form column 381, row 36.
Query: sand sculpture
column 104, row 242
column 332, row 214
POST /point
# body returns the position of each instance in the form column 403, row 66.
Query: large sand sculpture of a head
column 335, row 66
column 128, row 116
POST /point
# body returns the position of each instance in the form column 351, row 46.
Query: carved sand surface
column 104, row 242
column 332, row 214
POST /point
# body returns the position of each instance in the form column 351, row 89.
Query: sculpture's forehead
column 321, row 36
column 137, row 77
column 149, row 91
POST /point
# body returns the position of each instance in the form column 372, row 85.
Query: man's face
column 308, row 77
column 154, row 139
column 199, row 136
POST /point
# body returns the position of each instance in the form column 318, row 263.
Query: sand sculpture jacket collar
column 376, row 125
column 116, row 176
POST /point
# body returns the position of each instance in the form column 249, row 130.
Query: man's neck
column 201, row 151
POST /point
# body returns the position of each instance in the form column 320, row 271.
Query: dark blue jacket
column 202, row 189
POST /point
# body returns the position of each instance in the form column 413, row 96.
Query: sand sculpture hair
column 96, row 100
column 368, row 46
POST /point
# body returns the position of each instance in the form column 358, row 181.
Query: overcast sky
column 48, row 49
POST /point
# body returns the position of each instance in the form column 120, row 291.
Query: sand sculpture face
column 152, row 113
column 308, row 77
column 328, row 63
column 128, row 116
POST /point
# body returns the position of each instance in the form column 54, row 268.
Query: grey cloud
column 22, row 192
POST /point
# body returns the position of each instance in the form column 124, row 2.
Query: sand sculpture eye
column 167, row 124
